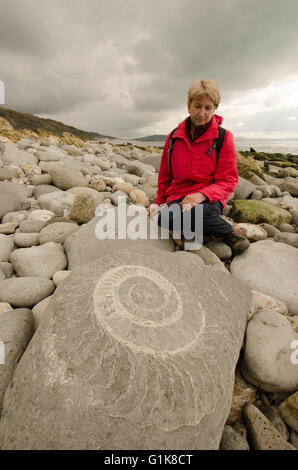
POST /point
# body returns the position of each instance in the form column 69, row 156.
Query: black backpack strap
column 221, row 136
column 171, row 143
column 217, row 143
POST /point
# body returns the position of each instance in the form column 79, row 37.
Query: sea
column 259, row 145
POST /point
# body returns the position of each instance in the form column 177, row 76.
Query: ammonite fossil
column 137, row 351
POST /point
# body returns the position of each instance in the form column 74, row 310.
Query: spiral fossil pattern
column 144, row 299
column 156, row 319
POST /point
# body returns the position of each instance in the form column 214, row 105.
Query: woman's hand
column 192, row 200
column 153, row 209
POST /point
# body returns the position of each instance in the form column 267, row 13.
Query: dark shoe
column 237, row 241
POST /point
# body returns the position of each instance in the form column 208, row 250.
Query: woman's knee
column 170, row 217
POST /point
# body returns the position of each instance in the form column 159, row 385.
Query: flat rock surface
column 133, row 353
column 16, row 330
column 85, row 245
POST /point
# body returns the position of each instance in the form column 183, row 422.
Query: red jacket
column 193, row 170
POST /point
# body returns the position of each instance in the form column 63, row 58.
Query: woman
column 192, row 175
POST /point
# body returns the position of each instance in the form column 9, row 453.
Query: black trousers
column 171, row 218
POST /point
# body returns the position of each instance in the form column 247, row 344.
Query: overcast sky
column 123, row 67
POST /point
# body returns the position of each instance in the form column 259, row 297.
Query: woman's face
column 201, row 110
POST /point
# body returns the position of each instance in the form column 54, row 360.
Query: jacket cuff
column 159, row 202
column 205, row 192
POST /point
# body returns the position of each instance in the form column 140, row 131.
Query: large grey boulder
column 243, row 189
column 57, row 232
column 150, row 192
column 121, row 161
column 118, row 196
column 102, row 163
column 15, row 216
column 286, row 202
column 26, row 240
column 26, row 142
column 51, row 154
column 66, row 178
column 39, row 261
column 288, row 238
column 10, row 153
column 271, row 268
column 25, row 291
column 153, row 160
column 72, row 150
column 267, row 353
column 31, row 225
column 130, row 178
column 133, row 353
column 257, row 212
column 138, row 168
column 97, row 196
column 56, row 202
column 13, row 197
column 16, row 330
column 41, row 179
column 149, row 159
column 85, row 245
column 42, row 189
column 290, row 184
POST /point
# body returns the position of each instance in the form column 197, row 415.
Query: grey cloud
column 25, row 28
column 235, row 42
column 265, row 121
column 128, row 64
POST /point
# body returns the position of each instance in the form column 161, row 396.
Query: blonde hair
column 205, row 87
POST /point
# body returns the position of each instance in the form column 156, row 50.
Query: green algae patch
column 258, row 212
column 246, row 165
